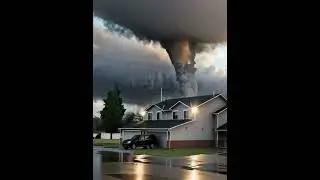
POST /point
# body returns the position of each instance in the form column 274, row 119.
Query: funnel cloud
column 181, row 27
column 182, row 54
column 141, row 69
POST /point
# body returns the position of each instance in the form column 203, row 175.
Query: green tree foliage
column 112, row 112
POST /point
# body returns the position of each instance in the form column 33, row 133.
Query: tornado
column 182, row 54
column 179, row 25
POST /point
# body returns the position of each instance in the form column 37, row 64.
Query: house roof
column 166, row 124
column 190, row 101
column 223, row 127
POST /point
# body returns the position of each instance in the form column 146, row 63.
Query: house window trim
column 160, row 117
column 172, row 114
column 188, row 114
column 148, row 116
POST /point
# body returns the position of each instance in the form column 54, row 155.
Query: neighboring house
column 199, row 121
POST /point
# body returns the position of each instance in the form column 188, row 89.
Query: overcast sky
column 141, row 69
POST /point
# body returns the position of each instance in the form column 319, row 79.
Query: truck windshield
column 135, row 137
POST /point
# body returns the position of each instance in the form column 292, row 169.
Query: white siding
column 154, row 111
column 166, row 115
column 202, row 127
column 222, row 118
column 205, row 111
column 179, row 108
column 195, row 130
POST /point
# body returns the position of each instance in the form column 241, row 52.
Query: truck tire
column 151, row 146
column 134, row 146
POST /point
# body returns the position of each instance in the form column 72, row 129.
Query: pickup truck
column 144, row 141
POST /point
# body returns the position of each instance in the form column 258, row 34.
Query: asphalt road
column 198, row 167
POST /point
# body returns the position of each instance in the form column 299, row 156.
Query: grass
column 114, row 143
column 175, row 152
column 110, row 143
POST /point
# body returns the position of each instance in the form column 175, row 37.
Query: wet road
column 108, row 165
column 140, row 171
column 210, row 163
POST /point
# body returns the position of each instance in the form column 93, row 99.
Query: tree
column 112, row 112
column 129, row 117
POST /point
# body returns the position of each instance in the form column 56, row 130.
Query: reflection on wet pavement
column 115, row 166
column 96, row 166
column 211, row 163
column 140, row 171
column 136, row 176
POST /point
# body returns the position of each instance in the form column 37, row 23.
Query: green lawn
column 175, row 152
column 106, row 142
column 114, row 143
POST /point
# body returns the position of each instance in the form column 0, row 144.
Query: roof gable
column 189, row 101
column 176, row 104
column 213, row 98
column 153, row 105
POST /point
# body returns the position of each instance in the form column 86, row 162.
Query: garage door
column 161, row 137
column 129, row 134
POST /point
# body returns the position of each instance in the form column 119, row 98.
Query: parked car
column 144, row 141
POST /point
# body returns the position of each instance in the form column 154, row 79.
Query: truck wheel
column 151, row 146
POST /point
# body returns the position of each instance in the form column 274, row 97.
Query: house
column 199, row 121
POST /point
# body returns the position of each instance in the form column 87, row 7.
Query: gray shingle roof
column 190, row 101
column 157, row 124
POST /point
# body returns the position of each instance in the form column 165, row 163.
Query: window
column 185, row 114
column 149, row 116
column 158, row 115
column 175, row 115
column 136, row 137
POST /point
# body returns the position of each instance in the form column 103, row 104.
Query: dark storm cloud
column 197, row 20
column 141, row 70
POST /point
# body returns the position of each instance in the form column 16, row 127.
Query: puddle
column 119, row 166
column 104, row 156
column 136, row 177
column 216, row 163
column 115, row 157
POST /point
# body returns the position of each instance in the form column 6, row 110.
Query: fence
column 108, row 135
